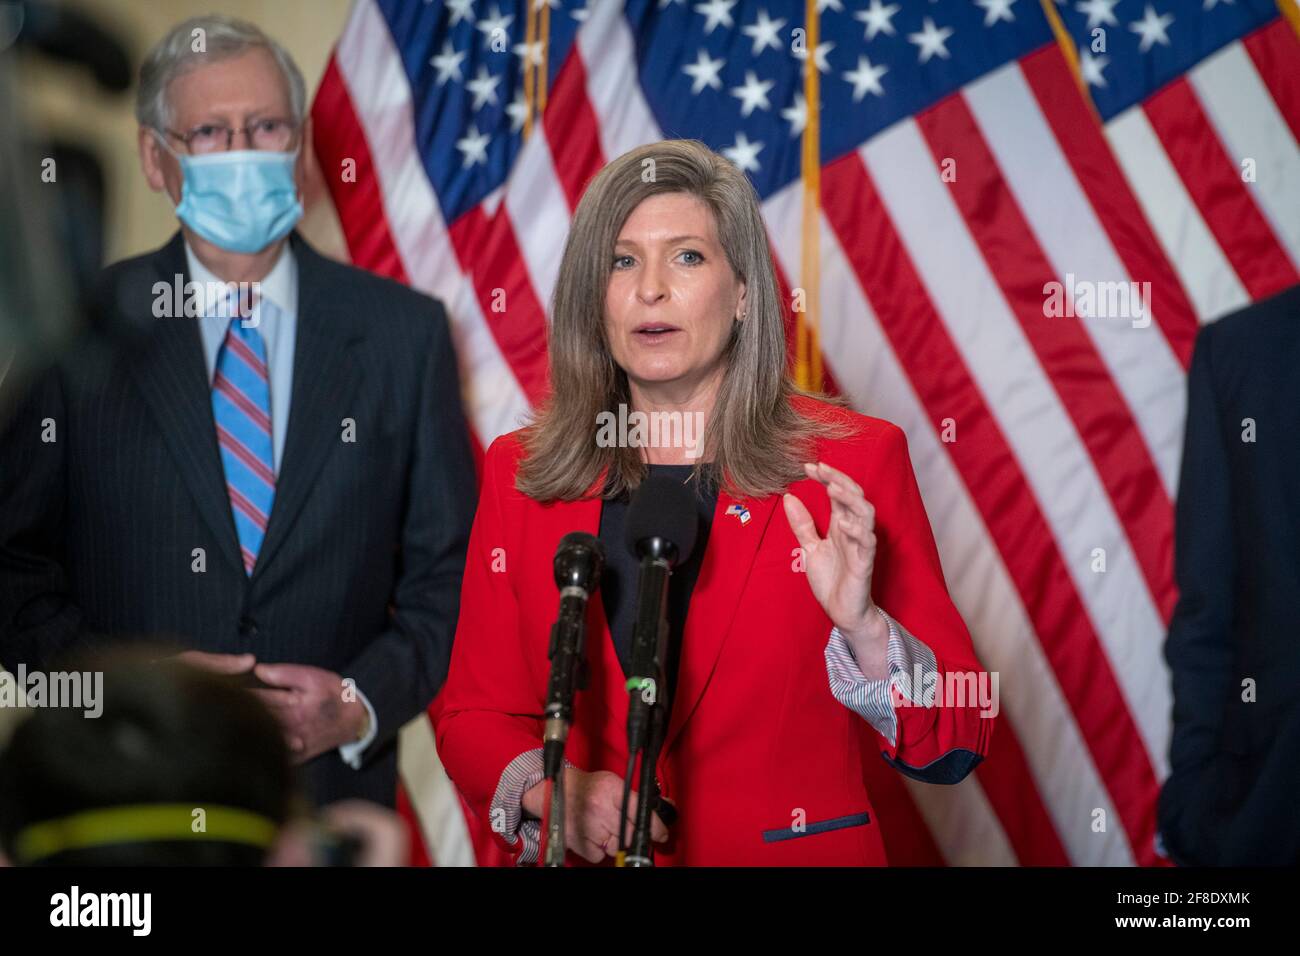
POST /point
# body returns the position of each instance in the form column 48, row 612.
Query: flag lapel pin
column 740, row 511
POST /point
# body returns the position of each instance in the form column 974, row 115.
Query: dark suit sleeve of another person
column 402, row 670
column 1198, row 649
column 38, row 618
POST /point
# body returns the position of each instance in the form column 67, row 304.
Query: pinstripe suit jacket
column 1229, row 799
column 361, row 567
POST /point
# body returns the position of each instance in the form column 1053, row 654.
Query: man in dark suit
column 275, row 474
column 1234, row 641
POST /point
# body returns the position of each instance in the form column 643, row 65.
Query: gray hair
column 223, row 37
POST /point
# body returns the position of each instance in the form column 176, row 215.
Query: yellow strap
column 808, row 350
column 142, row 823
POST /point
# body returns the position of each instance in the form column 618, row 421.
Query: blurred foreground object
column 178, row 767
column 53, row 243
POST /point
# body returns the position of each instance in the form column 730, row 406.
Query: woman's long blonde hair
column 755, row 440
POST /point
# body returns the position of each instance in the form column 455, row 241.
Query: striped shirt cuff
column 506, row 811
column 908, row 659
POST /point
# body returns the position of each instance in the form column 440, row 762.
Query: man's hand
column 310, row 705
column 592, row 803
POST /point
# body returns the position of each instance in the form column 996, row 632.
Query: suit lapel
column 325, row 380
column 728, row 559
column 171, row 374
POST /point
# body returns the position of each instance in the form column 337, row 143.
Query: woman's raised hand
column 839, row 566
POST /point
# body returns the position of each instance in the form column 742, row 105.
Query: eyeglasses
column 275, row 135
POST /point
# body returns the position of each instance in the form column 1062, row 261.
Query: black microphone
column 579, row 561
column 662, row 523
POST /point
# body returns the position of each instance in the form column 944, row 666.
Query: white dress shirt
column 278, row 327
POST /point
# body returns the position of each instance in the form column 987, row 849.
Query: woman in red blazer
column 820, row 634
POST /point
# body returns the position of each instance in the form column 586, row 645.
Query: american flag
column 971, row 155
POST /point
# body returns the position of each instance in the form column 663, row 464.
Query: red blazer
column 757, row 743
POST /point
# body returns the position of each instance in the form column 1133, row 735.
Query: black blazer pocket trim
column 821, row 826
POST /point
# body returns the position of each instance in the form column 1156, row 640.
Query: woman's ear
column 742, row 304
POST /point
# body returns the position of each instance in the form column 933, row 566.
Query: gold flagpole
column 808, row 351
column 530, row 99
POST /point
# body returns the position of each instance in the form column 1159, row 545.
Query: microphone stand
column 647, row 689
column 568, row 674
column 553, row 831
column 640, row 852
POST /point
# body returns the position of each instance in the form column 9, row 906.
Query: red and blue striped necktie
column 241, row 407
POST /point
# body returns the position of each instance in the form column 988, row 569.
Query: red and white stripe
column 1231, row 241
column 377, row 101
column 931, row 310
column 1245, row 119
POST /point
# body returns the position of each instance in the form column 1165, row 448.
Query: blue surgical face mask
column 241, row 200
